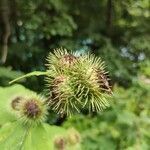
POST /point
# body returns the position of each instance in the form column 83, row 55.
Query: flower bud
column 67, row 60
column 73, row 136
column 60, row 143
column 15, row 102
column 33, row 109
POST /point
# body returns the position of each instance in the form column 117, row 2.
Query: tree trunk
column 109, row 14
column 4, row 11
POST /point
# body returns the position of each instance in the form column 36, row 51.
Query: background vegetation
column 118, row 31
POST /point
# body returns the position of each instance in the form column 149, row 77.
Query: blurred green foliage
column 7, row 74
column 126, row 125
column 118, row 31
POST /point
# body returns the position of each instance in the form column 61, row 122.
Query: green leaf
column 16, row 136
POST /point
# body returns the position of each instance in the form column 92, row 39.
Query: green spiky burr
column 76, row 82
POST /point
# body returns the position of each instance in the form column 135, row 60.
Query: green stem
column 35, row 73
